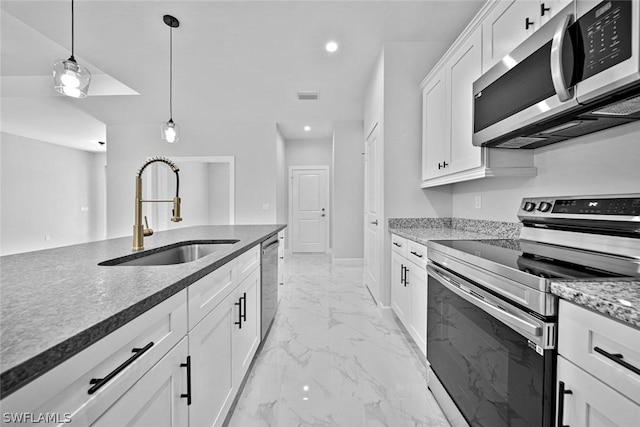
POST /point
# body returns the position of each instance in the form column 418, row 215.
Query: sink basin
column 177, row 253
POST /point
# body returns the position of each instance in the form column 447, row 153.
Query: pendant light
column 69, row 77
column 170, row 130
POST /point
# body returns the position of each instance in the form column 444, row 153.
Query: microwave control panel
column 605, row 33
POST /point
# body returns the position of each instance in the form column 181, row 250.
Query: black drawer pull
column 397, row 244
column 401, row 274
column 99, row 382
column 618, row 359
column 561, row 392
column 543, row 9
column 528, row 23
column 187, row 395
column 239, row 304
column 244, row 306
column 406, row 282
column 416, row 254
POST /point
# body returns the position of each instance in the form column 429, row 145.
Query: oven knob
column 529, row 206
column 544, row 207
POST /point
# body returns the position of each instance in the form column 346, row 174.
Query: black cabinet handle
column 617, row 357
column 244, row 306
column 416, row 254
column 406, row 282
column 99, row 382
column 440, row 165
column 401, row 274
column 188, row 394
column 543, row 9
column 445, row 164
column 239, row 322
column 527, row 24
column 397, row 244
column 561, row 392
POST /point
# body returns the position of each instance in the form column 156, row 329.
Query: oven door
column 490, row 357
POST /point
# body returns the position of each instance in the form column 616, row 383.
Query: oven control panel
column 627, row 205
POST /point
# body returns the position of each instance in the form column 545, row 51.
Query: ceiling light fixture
column 170, row 130
column 307, row 128
column 69, row 77
column 331, row 46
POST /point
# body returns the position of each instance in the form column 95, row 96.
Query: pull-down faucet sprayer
column 140, row 231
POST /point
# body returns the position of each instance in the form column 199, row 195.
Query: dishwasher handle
column 271, row 246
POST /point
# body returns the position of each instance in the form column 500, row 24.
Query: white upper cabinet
column 510, row 22
column 448, row 154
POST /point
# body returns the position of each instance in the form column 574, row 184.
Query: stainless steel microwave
column 578, row 74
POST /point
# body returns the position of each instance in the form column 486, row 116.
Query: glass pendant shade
column 170, row 132
column 71, row 78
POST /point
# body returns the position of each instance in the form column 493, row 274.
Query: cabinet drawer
column 417, row 253
column 247, row 262
column 591, row 403
column 399, row 245
column 209, row 291
column 585, row 338
column 65, row 389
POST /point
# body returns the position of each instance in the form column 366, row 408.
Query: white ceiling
column 233, row 60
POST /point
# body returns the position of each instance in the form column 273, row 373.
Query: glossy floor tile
column 333, row 358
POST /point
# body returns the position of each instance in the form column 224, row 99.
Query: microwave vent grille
column 624, row 108
column 519, row 142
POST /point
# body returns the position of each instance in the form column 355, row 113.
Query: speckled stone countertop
column 618, row 298
column 57, row 302
column 422, row 230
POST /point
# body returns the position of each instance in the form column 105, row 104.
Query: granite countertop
column 617, row 298
column 424, row 235
column 57, row 302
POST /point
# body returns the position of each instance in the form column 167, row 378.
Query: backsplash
column 505, row 230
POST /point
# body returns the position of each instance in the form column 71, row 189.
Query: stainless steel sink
column 177, row 253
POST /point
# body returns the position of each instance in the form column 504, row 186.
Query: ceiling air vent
column 308, row 96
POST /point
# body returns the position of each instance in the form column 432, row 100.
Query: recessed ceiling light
column 331, row 46
column 307, row 128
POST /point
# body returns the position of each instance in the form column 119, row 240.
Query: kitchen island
column 58, row 302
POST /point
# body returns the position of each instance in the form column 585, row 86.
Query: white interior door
column 372, row 260
column 309, row 209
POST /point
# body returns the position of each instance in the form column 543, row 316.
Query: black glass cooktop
column 527, row 257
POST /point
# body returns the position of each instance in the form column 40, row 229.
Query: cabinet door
column 505, row 27
column 462, row 70
column 435, row 128
column 399, row 291
column 154, row 400
column 281, row 261
column 246, row 335
column 418, row 296
column 212, row 366
column 591, row 403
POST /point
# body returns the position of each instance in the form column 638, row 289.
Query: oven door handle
column 464, row 290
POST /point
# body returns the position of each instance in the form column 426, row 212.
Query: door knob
column 322, row 214
column 374, row 222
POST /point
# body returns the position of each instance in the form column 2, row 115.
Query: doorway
column 309, row 208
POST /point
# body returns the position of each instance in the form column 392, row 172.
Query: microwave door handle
column 557, row 70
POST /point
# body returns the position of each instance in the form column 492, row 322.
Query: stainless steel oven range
column 491, row 320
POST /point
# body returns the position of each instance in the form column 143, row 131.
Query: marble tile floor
column 333, row 358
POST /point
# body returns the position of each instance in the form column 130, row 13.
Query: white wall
column 348, row 190
column 219, row 193
column 43, row 188
column 281, row 178
column 251, row 142
column 607, row 162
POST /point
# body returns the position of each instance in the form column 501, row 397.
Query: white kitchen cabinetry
column 597, row 381
column 409, row 287
column 448, row 155
column 136, row 347
column 281, row 261
column 159, row 399
column 510, row 23
column 223, row 344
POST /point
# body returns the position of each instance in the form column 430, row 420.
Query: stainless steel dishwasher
column 269, row 282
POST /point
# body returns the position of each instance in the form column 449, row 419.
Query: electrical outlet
column 478, row 202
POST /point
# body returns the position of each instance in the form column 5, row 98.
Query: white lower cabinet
column 598, row 377
column 246, row 334
column 409, row 288
column 159, row 399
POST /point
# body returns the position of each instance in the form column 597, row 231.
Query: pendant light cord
column 72, row 35
column 171, row 73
